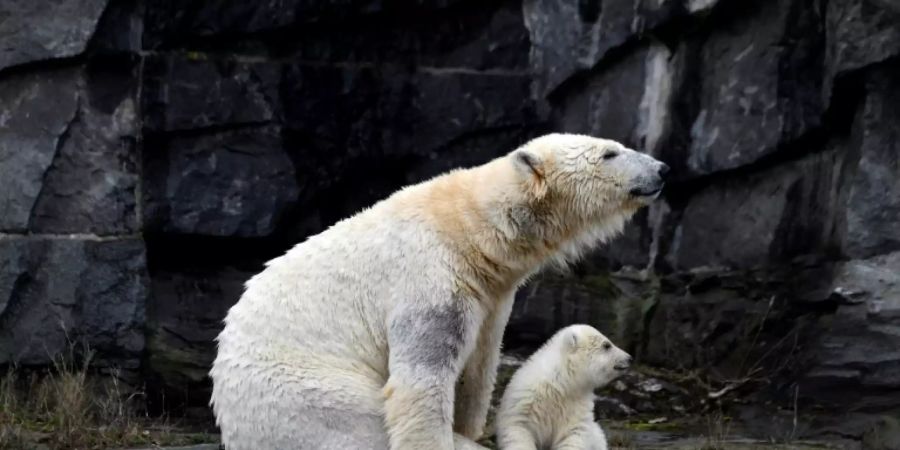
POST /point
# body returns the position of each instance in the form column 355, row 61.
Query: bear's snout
column 649, row 189
column 651, row 183
column 624, row 363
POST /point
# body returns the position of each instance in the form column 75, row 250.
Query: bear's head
column 590, row 357
column 587, row 179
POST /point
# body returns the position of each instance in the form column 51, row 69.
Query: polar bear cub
column 549, row 403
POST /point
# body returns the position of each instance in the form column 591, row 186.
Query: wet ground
column 623, row 438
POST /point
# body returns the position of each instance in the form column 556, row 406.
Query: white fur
column 384, row 330
column 549, row 402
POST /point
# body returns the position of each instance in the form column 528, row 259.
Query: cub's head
column 588, row 178
column 590, row 357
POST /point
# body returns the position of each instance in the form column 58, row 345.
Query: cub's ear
column 529, row 163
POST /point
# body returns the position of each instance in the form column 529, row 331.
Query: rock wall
column 154, row 154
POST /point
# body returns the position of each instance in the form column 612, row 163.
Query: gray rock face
column 645, row 79
column 571, row 36
column 183, row 93
column 120, row 29
column 612, row 304
column 26, row 150
column 858, row 357
column 470, row 36
column 393, row 112
column 735, row 321
column 873, row 210
column 860, row 33
column 777, row 215
column 46, row 29
column 57, row 291
column 754, row 93
column 183, row 319
column 61, row 130
column 170, row 24
column 236, row 183
column 100, row 139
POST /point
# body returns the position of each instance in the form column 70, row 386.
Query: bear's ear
column 531, row 166
column 571, row 340
column 529, row 163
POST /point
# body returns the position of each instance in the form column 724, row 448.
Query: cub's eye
column 607, row 346
column 610, row 155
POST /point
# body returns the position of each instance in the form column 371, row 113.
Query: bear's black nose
column 663, row 170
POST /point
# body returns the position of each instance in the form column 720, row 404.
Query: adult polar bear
column 384, row 330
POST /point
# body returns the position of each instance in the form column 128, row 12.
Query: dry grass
column 621, row 441
column 719, row 427
column 67, row 408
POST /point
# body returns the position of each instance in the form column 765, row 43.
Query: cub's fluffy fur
column 549, row 402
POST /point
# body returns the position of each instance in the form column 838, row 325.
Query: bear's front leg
column 473, row 391
column 515, row 436
column 427, row 346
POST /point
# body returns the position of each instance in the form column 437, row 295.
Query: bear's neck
column 513, row 243
column 500, row 236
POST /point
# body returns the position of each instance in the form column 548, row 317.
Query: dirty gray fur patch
column 338, row 429
column 432, row 337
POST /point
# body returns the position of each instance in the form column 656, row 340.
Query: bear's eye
column 610, row 155
column 607, row 345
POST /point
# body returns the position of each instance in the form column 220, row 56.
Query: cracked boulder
column 571, row 36
column 232, row 183
column 778, row 214
column 873, row 209
column 57, row 292
column 860, row 33
column 755, row 93
column 61, row 129
column 37, row 30
column 642, row 82
column 50, row 99
column 185, row 92
column 99, row 140
column 857, row 358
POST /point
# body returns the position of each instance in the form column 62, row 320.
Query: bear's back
column 324, row 303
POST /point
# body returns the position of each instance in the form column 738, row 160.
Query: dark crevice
column 801, row 68
column 590, row 10
column 15, row 300
column 44, row 65
column 170, row 251
column 57, row 150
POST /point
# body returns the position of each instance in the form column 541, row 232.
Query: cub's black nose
column 663, row 170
